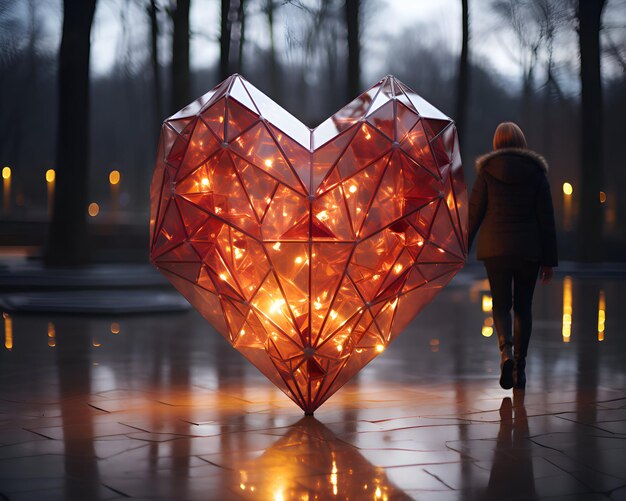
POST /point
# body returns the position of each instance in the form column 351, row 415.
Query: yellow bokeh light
column 487, row 303
column 51, row 335
column 352, row 189
column 380, row 348
column 8, row 331
column 602, row 197
column 487, row 331
column 6, row 173
column 567, row 309
column 601, row 316
column 115, row 328
column 568, row 189
column 50, row 175
column 114, row 177
column 205, row 181
column 94, row 209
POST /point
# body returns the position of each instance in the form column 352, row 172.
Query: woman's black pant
column 512, row 281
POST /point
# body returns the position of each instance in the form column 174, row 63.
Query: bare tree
column 181, row 77
column 535, row 25
column 225, row 28
column 241, row 20
column 590, row 223
column 462, row 83
column 275, row 87
column 154, row 56
column 353, row 84
column 67, row 240
column 521, row 20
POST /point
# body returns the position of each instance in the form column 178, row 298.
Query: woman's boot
column 506, row 364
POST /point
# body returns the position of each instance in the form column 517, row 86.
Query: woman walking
column 512, row 206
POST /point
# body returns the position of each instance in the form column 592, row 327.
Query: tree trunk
column 462, row 83
column 154, row 57
column 275, row 87
column 181, row 79
column 225, row 41
column 67, row 243
column 590, row 244
column 353, row 84
column 241, row 17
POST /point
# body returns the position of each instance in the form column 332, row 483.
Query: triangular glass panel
column 271, row 305
column 245, row 257
column 240, row 118
column 416, row 145
column 325, row 158
column 215, row 118
column 443, row 234
column 433, row 127
column 202, row 145
column 280, row 117
column 383, row 120
column 372, row 260
column 298, row 157
column 286, row 209
column 258, row 147
column 387, row 204
column 259, row 186
column 171, row 232
column 405, row 120
column 330, row 212
column 367, row 146
column 207, row 304
column 360, row 189
column 345, row 118
column 238, row 92
column 187, row 271
column 329, row 262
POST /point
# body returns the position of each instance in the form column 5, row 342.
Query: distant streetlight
column 50, row 180
column 94, row 209
column 6, row 182
column 568, row 190
column 114, row 180
column 114, row 177
column 602, row 197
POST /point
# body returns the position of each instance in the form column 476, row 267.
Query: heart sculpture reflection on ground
column 308, row 250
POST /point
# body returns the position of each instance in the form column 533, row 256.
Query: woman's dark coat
column 512, row 205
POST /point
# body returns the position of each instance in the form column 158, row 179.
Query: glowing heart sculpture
column 308, row 250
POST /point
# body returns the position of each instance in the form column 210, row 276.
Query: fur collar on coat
column 530, row 154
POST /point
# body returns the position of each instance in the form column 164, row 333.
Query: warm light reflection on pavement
column 161, row 406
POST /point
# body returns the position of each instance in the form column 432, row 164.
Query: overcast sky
column 384, row 20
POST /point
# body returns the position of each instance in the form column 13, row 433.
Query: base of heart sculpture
column 308, row 250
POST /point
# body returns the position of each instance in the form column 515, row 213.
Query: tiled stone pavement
column 165, row 409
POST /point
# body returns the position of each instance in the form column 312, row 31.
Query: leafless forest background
column 310, row 59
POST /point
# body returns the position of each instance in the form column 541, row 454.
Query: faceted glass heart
column 308, row 250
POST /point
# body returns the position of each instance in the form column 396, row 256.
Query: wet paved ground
column 160, row 407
